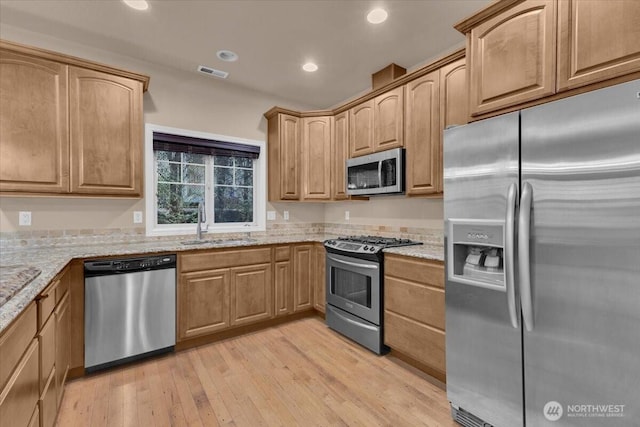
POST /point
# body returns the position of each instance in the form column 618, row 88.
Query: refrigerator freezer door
column 581, row 156
column 484, row 359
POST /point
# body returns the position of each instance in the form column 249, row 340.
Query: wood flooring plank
column 294, row 374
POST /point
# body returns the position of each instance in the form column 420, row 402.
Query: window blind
column 189, row 144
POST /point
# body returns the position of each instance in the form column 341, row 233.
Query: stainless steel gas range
column 355, row 288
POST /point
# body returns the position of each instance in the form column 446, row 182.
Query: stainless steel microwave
column 377, row 173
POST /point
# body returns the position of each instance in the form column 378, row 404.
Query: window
column 186, row 168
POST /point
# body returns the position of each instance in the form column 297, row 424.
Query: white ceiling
column 272, row 38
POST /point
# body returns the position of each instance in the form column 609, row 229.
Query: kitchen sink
column 196, row 242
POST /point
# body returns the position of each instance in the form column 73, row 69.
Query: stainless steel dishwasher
column 129, row 309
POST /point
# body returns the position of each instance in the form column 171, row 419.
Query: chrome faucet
column 202, row 219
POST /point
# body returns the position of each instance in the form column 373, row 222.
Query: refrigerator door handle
column 509, row 253
column 524, row 225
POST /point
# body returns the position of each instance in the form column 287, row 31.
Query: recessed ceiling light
column 377, row 16
column 310, row 67
column 227, row 55
column 137, row 4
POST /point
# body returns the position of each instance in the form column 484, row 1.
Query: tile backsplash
column 40, row 238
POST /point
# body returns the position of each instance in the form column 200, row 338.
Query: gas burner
column 366, row 244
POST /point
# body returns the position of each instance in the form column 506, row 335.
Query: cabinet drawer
column 418, row 302
column 282, row 253
column 20, row 395
column 15, row 341
column 47, row 341
column 424, row 344
column 63, row 286
column 47, row 302
column 210, row 260
column 415, row 270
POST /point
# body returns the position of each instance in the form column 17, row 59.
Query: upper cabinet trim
column 72, row 60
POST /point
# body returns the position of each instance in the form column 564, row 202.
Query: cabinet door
column 319, row 278
column 340, row 154
column 597, row 40
column 423, row 140
column 203, row 302
column 63, row 343
column 47, row 344
column 513, row 57
column 289, row 157
column 20, row 395
column 34, row 154
column 454, row 94
column 361, row 129
column 388, row 120
column 283, row 290
column 48, row 402
column 105, row 116
column 251, row 294
column 303, row 277
column 316, row 158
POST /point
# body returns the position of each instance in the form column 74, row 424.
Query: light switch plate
column 346, row 215
column 271, row 215
column 285, row 214
column 137, row 217
column 24, row 218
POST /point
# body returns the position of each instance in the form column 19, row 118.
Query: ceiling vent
column 213, row 72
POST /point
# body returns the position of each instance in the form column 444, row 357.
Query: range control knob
column 372, row 249
column 366, row 248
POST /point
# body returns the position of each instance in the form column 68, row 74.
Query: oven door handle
column 353, row 264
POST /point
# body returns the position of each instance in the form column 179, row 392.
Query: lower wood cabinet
column 48, row 402
column 414, row 316
column 20, row 395
column 251, row 294
column 282, row 281
column 303, row 268
column 319, row 279
column 63, row 344
column 203, row 302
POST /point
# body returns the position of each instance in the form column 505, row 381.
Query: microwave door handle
column 380, row 174
column 353, row 264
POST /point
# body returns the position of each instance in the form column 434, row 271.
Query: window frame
column 259, row 187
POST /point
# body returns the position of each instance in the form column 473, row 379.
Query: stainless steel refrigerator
column 542, row 261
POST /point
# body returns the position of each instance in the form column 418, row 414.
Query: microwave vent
column 213, row 72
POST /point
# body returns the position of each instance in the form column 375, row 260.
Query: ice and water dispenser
column 476, row 253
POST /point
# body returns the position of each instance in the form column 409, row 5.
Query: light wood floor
column 296, row 374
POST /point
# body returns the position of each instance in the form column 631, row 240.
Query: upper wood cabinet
column 597, row 40
column 284, row 157
column 522, row 51
column 316, row 158
column 512, row 56
column 339, row 156
column 68, row 126
column 361, row 129
column 106, row 133
column 454, row 95
column 34, row 154
column 388, row 120
column 422, row 135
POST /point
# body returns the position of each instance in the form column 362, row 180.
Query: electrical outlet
column 137, row 217
column 346, row 215
column 285, row 214
column 24, row 218
column 271, row 215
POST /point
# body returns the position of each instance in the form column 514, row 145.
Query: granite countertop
column 21, row 282
column 426, row 251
